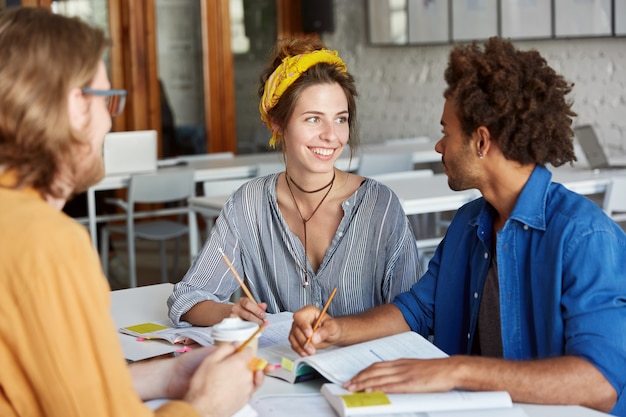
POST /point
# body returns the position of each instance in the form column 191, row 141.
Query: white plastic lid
column 233, row 329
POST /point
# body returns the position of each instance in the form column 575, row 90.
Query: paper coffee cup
column 233, row 329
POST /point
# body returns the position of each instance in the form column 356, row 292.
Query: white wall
column 401, row 87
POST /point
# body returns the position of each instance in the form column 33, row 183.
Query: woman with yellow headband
column 294, row 236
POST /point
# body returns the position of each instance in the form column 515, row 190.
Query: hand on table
column 406, row 375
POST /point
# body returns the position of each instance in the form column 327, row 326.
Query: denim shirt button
column 486, row 255
column 340, row 234
column 525, row 227
column 469, row 335
column 475, row 295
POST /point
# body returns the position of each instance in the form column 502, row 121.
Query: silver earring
column 480, row 154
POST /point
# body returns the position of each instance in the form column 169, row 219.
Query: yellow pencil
column 244, row 344
column 319, row 319
column 236, row 274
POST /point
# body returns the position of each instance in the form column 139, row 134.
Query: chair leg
column 176, row 256
column 132, row 267
column 104, row 251
column 163, row 262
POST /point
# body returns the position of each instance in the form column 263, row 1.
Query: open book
column 339, row 364
column 348, row 404
column 175, row 335
column 275, row 334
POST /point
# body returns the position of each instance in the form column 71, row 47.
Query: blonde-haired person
column 59, row 351
column 296, row 235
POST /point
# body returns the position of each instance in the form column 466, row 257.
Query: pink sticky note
column 183, row 349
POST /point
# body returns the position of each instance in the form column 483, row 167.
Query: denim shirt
column 562, row 276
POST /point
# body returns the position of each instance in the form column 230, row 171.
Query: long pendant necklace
column 289, row 180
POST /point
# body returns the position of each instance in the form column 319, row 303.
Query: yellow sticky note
column 365, row 399
column 286, row 364
column 146, row 328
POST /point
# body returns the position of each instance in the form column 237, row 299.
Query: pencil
column 244, row 344
column 236, row 274
column 319, row 319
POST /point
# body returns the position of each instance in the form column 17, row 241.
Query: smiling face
column 456, row 151
column 317, row 130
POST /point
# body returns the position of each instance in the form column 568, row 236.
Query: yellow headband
column 287, row 72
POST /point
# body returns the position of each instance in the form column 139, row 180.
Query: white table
column 423, row 152
column 583, row 180
column 417, row 195
column 142, row 304
column 432, row 194
column 244, row 166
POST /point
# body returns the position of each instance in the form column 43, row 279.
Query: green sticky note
column 365, row 399
column 286, row 364
column 146, row 328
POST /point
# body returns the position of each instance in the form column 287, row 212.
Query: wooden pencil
column 236, row 274
column 319, row 319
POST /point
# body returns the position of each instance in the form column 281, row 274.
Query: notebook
column 591, row 146
column 130, row 152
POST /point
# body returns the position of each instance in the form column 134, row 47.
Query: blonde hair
column 43, row 56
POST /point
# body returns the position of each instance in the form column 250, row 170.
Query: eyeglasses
column 115, row 99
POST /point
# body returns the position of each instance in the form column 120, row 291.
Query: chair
column 165, row 186
column 384, row 162
column 214, row 189
column 614, row 203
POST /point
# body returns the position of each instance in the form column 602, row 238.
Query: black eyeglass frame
column 118, row 106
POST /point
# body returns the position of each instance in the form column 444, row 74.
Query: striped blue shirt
column 372, row 257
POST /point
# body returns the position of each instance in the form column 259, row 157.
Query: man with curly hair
column 527, row 292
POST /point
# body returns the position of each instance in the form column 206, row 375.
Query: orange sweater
column 59, row 353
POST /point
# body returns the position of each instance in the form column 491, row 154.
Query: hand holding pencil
column 313, row 328
column 246, row 308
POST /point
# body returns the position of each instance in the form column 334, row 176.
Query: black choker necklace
column 305, row 221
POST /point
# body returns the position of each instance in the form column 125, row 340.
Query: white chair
column 166, row 186
column 384, row 162
column 614, row 203
column 218, row 188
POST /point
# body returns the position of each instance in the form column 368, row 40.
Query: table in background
column 243, row 166
column 583, row 180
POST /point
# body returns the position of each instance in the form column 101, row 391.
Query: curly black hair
column 517, row 96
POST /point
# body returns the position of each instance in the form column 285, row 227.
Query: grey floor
column 148, row 262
